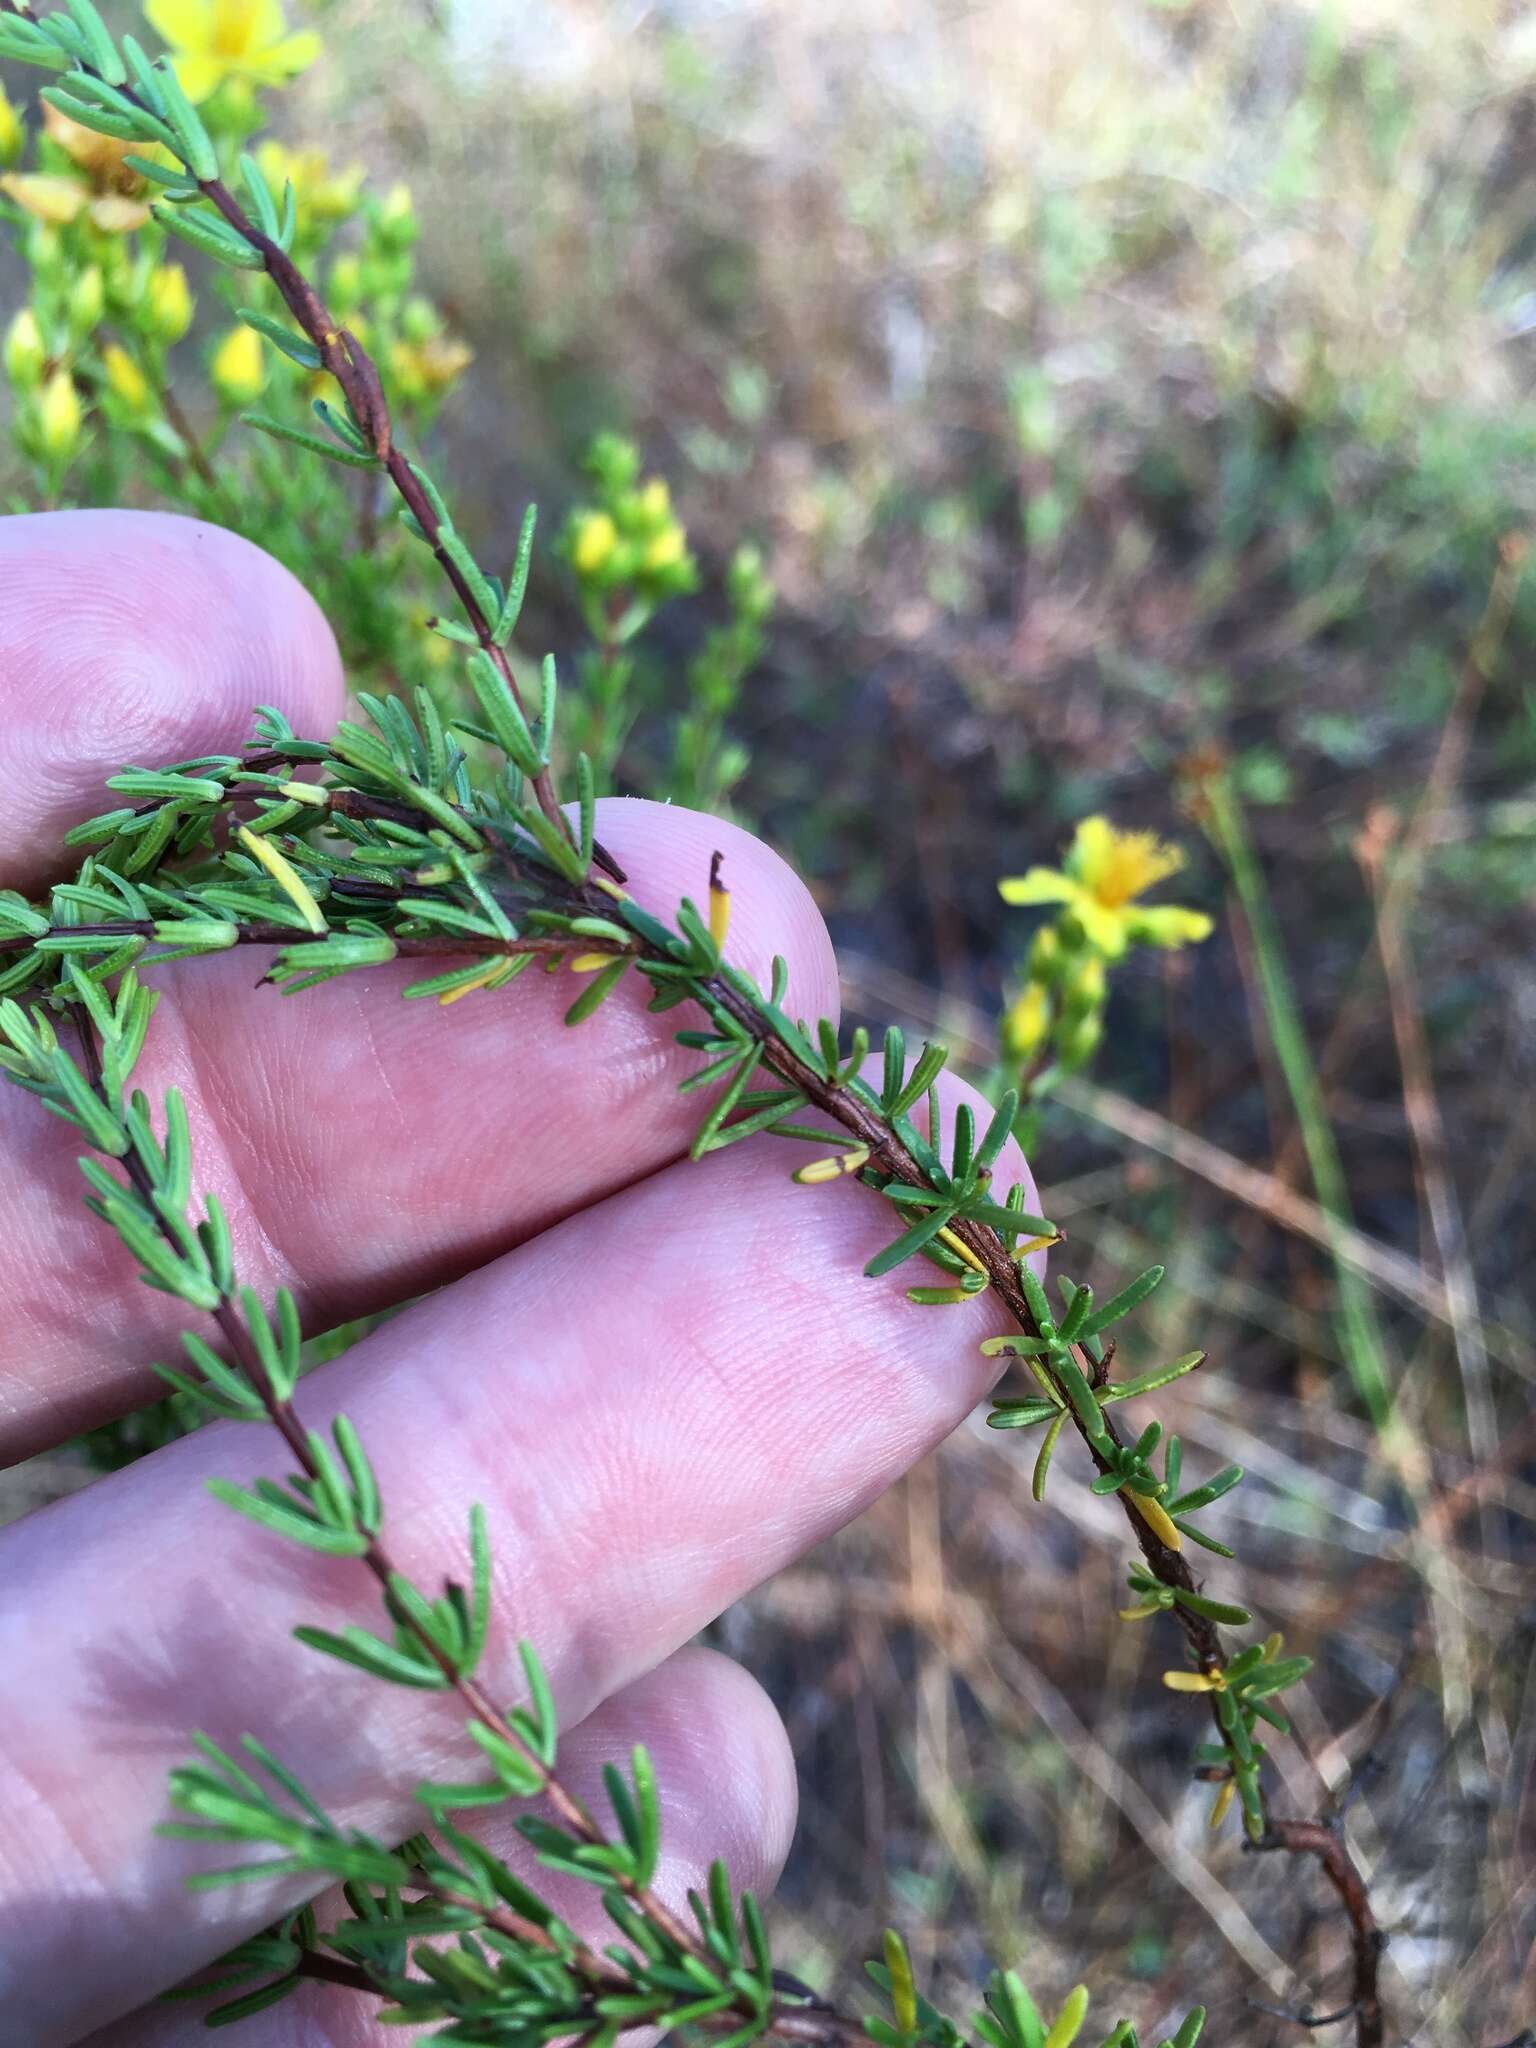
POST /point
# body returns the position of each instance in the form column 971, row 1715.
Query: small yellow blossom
column 125, row 379
column 167, row 311
column 214, row 40
column 25, row 356
column 593, row 544
column 59, row 417
column 1105, row 871
column 239, row 369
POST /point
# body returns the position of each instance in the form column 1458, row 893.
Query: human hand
column 664, row 1380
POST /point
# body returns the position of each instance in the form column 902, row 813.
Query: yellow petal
column 200, row 75
column 184, row 24
column 1092, row 847
column 260, row 22
column 1040, row 885
column 284, row 60
column 1105, row 929
column 1170, row 927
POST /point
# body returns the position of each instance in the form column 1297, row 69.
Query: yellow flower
column 593, row 543
column 167, row 303
column 25, row 356
column 655, row 500
column 239, row 371
column 1104, row 873
column 100, row 184
column 212, row 40
column 319, row 193
column 58, row 417
column 125, row 379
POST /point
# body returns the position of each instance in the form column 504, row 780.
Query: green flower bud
column 58, row 417
column 87, row 300
column 25, row 356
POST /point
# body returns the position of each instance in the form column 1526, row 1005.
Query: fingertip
column 667, row 852
column 139, row 638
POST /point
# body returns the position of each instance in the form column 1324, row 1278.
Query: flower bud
column 419, row 319
column 1045, row 954
column 87, row 299
column 655, row 502
column 167, row 309
column 125, row 380
column 1084, row 986
column 25, row 356
column 13, row 136
column 1079, row 1040
column 238, row 371
column 748, row 585
column 59, row 418
column 345, row 285
column 666, row 551
column 1026, row 1021
column 592, row 543
column 395, row 219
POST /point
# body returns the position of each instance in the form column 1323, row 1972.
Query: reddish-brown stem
column 1367, row 1940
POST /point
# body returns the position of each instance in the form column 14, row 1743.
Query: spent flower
column 93, row 178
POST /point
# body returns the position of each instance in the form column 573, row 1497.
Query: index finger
column 138, row 637
column 366, row 1143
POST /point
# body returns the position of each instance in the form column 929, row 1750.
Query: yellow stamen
column 961, row 1250
column 1157, row 1519
column 285, row 875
